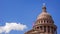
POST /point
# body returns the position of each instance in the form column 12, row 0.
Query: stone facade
column 44, row 24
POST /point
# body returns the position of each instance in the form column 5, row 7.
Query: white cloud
column 12, row 26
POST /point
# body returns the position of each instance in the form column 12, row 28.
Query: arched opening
column 41, row 27
column 44, row 28
column 48, row 28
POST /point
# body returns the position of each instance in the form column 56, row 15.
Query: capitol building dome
column 44, row 14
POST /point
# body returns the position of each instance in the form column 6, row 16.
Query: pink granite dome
column 44, row 14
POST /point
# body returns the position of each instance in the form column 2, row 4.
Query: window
column 44, row 21
column 48, row 28
column 37, row 27
column 44, row 28
column 41, row 21
column 52, row 29
column 41, row 27
column 47, row 21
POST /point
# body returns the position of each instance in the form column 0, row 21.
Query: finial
column 43, row 4
column 44, row 7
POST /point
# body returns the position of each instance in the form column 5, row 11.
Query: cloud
column 12, row 26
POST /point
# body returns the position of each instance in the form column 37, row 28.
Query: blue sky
column 26, row 12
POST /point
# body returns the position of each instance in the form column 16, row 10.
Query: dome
column 44, row 14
